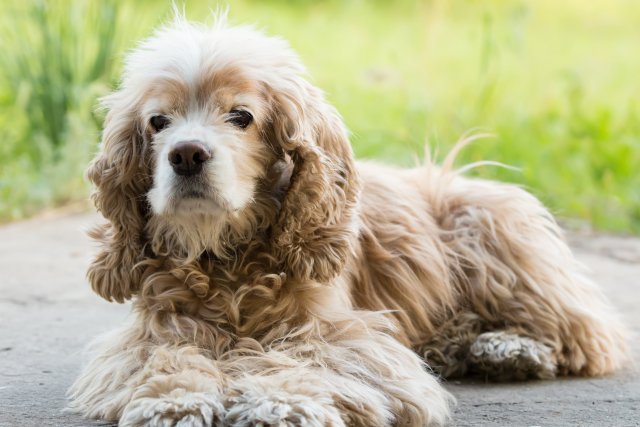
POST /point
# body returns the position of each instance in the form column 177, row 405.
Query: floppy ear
column 120, row 173
column 315, row 228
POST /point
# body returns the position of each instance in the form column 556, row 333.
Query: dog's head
column 213, row 137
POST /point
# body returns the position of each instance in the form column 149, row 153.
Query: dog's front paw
column 176, row 409
column 280, row 409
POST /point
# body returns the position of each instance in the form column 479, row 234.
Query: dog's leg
column 288, row 397
column 447, row 351
column 141, row 384
column 181, row 388
column 462, row 347
column 505, row 356
column 363, row 378
column 517, row 272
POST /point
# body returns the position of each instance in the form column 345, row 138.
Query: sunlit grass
column 51, row 74
column 556, row 82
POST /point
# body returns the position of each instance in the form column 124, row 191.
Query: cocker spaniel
column 278, row 282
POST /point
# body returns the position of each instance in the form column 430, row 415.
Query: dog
column 276, row 281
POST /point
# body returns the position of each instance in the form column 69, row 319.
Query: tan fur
column 301, row 307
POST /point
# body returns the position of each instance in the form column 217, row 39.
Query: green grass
column 556, row 82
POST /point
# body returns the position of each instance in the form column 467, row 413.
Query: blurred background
column 556, row 82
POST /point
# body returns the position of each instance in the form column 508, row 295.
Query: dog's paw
column 176, row 409
column 506, row 356
column 280, row 409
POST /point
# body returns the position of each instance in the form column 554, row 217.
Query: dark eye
column 159, row 122
column 240, row 118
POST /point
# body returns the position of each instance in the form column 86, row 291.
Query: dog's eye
column 240, row 118
column 158, row 123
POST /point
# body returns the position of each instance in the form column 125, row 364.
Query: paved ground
column 48, row 313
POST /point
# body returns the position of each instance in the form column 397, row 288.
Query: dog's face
column 204, row 108
column 209, row 128
column 206, row 140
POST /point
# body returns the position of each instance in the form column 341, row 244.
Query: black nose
column 187, row 157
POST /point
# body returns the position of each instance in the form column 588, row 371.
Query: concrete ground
column 48, row 313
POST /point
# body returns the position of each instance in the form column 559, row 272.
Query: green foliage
column 56, row 63
column 556, row 82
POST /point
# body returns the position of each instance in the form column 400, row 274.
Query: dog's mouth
column 194, row 202
column 193, row 195
column 197, row 198
column 191, row 189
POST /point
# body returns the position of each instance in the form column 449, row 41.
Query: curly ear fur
column 121, row 176
column 316, row 226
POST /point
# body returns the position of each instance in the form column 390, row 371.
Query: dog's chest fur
column 214, row 304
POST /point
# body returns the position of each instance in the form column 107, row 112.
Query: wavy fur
column 295, row 294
